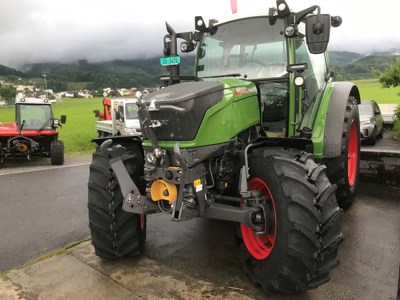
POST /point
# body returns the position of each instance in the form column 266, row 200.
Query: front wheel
column 57, row 153
column 115, row 233
column 300, row 248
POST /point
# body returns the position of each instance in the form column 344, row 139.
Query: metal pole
column 45, row 85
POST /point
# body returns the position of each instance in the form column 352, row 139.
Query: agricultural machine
column 259, row 136
column 33, row 133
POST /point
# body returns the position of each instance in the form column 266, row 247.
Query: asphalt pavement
column 41, row 211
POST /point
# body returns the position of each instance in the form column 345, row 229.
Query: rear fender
column 286, row 143
column 328, row 129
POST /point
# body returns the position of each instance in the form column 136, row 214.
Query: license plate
column 170, row 61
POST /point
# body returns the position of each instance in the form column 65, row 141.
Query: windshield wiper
column 22, row 126
column 44, row 124
column 223, row 75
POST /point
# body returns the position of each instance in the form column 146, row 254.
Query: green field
column 79, row 129
column 372, row 89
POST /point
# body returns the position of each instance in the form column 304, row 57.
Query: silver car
column 371, row 121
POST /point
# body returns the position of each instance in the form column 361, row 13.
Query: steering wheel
column 256, row 62
column 34, row 123
column 263, row 68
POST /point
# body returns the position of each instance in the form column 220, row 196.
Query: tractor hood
column 177, row 110
column 202, row 113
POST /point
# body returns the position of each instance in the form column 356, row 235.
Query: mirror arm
column 302, row 14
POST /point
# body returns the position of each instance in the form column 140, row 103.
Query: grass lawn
column 372, row 89
column 80, row 128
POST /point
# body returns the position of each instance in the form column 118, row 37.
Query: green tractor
column 259, row 136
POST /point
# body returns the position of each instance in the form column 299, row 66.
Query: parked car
column 371, row 121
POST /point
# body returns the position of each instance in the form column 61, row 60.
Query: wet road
column 387, row 143
column 44, row 210
column 41, row 211
column 369, row 255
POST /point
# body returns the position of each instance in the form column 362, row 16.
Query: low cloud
column 65, row 31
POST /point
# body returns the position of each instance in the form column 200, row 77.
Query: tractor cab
column 36, row 114
column 282, row 53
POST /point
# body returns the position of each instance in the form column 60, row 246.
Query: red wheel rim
column 352, row 154
column 260, row 246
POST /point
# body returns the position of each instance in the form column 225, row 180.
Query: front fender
column 328, row 130
column 118, row 139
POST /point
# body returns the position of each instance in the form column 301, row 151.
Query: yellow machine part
column 21, row 147
column 162, row 190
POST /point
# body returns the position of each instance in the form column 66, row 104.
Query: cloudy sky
column 67, row 30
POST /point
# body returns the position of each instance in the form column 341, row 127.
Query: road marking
column 34, row 169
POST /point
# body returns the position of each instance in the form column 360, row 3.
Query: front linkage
column 182, row 191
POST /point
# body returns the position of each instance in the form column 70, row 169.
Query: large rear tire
column 115, row 233
column 344, row 170
column 57, row 153
column 301, row 247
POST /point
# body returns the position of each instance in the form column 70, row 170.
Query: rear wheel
column 57, row 153
column 380, row 134
column 115, row 233
column 344, row 170
column 300, row 249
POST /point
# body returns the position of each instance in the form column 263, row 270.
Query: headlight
column 130, row 131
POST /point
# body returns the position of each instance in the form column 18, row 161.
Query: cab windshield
column 249, row 48
column 36, row 116
column 131, row 111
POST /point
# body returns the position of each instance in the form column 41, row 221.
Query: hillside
column 6, row 71
column 343, row 58
column 83, row 74
column 146, row 72
column 362, row 68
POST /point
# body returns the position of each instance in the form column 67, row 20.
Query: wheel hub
column 260, row 244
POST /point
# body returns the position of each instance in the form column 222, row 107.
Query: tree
column 391, row 76
column 57, row 86
column 8, row 93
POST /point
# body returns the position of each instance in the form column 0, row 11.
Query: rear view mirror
column 317, row 32
column 63, row 119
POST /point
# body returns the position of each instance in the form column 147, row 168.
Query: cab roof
column 31, row 100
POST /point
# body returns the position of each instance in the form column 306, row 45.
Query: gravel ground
column 14, row 165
